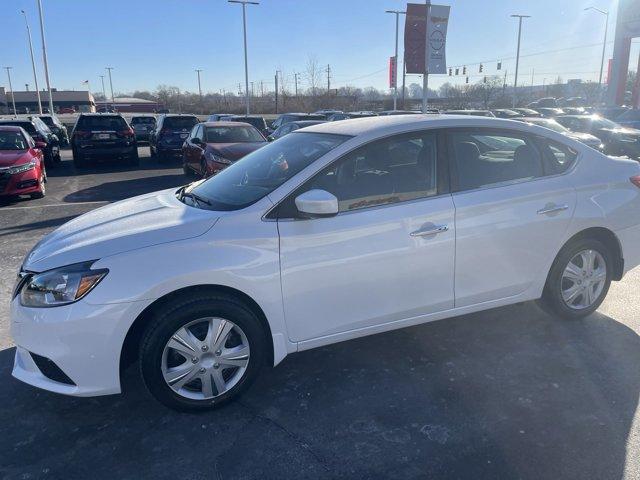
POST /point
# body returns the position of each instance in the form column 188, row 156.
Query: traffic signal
column 450, row 71
column 466, row 80
column 499, row 65
column 457, row 71
column 484, row 80
column 480, row 70
column 464, row 70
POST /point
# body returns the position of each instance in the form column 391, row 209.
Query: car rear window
column 180, row 123
column 111, row 122
column 145, row 120
column 28, row 126
column 255, row 121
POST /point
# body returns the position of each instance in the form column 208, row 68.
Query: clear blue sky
column 152, row 42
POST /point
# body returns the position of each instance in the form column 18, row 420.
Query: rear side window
column 557, row 157
column 111, row 122
column 143, row 120
column 485, row 159
column 180, row 123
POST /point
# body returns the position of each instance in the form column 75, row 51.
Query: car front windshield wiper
column 194, row 196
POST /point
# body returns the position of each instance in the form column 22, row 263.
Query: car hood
column 9, row 158
column 131, row 224
column 234, row 151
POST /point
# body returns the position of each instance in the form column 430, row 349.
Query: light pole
column 44, row 56
column 110, row 85
column 33, row 62
column 244, row 29
column 515, row 81
column 13, row 98
column 397, row 13
column 198, row 70
column 104, row 92
column 604, row 44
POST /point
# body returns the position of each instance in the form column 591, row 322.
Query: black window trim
column 443, row 176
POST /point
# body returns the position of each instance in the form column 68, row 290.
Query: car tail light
column 127, row 133
column 82, row 133
column 635, row 180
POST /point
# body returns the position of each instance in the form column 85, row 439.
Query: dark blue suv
column 170, row 133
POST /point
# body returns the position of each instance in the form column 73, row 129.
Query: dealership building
column 130, row 105
column 27, row 101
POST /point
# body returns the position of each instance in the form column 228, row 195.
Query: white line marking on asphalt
column 6, row 209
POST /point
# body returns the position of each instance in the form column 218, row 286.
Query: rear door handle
column 552, row 209
column 429, row 230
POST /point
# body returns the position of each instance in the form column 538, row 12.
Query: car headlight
column 60, row 286
column 21, row 168
column 219, row 159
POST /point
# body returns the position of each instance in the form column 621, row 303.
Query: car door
column 512, row 211
column 388, row 255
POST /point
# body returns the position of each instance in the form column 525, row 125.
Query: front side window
column 387, row 171
column 485, row 159
column 262, row 171
column 232, row 135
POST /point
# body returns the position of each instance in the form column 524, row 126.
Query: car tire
column 186, row 170
column 43, row 189
column 78, row 160
column 192, row 311
column 134, row 159
column 570, row 273
column 152, row 152
column 203, row 168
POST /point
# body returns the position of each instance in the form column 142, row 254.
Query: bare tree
column 313, row 74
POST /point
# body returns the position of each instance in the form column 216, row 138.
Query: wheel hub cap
column 584, row 279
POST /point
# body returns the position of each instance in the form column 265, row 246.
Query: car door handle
column 552, row 209
column 429, row 230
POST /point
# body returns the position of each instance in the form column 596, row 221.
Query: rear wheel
column 202, row 351
column 579, row 279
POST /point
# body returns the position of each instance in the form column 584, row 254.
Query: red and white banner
column 393, row 68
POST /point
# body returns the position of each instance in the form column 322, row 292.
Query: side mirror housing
column 317, row 204
column 270, row 138
column 41, row 145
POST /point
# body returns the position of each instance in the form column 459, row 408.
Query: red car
column 213, row 146
column 22, row 170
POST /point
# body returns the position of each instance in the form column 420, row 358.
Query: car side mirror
column 316, row 204
column 270, row 138
column 41, row 145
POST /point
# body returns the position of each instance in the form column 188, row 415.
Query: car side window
column 557, row 157
column 486, row 158
column 383, row 172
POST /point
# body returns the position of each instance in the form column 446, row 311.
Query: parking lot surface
column 506, row 393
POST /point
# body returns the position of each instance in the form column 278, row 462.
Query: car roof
column 381, row 125
column 307, row 122
column 10, row 128
column 14, row 121
column 223, row 123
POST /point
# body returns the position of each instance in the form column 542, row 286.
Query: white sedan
column 336, row 231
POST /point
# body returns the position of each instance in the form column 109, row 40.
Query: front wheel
column 579, row 279
column 201, row 352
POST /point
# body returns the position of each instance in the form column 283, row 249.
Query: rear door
column 513, row 207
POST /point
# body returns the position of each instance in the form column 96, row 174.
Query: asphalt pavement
column 508, row 393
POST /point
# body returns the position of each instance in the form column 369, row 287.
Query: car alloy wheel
column 205, row 358
column 584, row 279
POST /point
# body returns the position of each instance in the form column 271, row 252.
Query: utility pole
column 604, row 44
column 295, row 77
column 33, row 62
column 253, row 94
column 328, row 78
column 244, row 29
column 404, row 78
column 425, row 77
column 261, row 89
column 44, row 57
column 111, row 86
column 515, row 81
column 276, row 91
column 395, row 73
column 13, row 98
column 104, row 92
column 198, row 70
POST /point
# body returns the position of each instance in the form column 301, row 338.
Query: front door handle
column 429, row 230
column 552, row 208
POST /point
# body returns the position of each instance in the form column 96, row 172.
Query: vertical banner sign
column 393, row 66
column 416, row 31
column 437, row 38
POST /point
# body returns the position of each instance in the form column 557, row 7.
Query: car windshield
column 180, row 123
column 238, row 134
column 261, row 172
column 550, row 124
column 12, row 141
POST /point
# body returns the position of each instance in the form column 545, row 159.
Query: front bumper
column 84, row 341
column 20, row 184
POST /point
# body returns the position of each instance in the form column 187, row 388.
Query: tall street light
column 244, row 29
column 44, row 56
column 515, row 81
column 395, row 73
column 33, row 62
column 13, row 98
column 110, row 85
column 604, row 45
column 198, row 70
column 104, row 92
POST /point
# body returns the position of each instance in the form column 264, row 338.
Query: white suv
column 333, row 232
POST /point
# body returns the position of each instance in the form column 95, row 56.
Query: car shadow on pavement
column 506, row 393
column 39, row 225
column 122, row 189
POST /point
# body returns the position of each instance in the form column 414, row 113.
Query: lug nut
column 216, row 366
column 218, row 352
column 194, row 359
column 204, row 348
column 202, row 370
